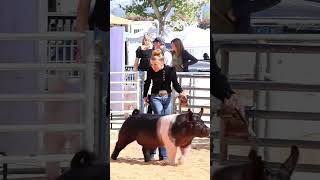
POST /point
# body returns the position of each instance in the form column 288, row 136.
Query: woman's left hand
column 183, row 97
column 234, row 102
column 184, row 94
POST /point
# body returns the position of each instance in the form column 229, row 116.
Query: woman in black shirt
column 142, row 61
column 162, row 76
column 143, row 54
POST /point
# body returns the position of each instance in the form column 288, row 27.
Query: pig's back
column 143, row 128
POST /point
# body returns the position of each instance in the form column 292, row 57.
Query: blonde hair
column 146, row 40
column 178, row 43
column 157, row 55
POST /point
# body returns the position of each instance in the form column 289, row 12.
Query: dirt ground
column 130, row 164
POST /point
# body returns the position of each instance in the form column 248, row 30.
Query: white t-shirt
column 92, row 3
column 167, row 58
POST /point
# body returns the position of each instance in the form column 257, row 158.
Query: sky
column 115, row 9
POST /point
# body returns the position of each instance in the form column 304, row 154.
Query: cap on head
column 159, row 39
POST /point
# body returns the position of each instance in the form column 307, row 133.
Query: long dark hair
column 178, row 43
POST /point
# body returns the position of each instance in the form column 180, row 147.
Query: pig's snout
column 206, row 132
column 202, row 130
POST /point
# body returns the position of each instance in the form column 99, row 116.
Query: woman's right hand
column 135, row 68
column 183, row 94
column 146, row 101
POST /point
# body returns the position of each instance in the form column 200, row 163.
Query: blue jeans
column 161, row 105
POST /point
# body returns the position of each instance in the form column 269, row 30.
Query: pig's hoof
column 113, row 157
column 172, row 163
column 164, row 162
column 180, row 161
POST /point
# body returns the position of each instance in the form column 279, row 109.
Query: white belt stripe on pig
column 163, row 128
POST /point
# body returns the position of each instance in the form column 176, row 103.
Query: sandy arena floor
column 130, row 164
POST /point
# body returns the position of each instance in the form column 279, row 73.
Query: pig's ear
column 190, row 113
column 290, row 164
column 201, row 112
column 253, row 156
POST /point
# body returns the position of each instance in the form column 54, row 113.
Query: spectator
column 206, row 56
column 142, row 61
column 181, row 58
column 159, row 43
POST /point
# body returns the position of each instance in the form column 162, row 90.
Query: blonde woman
column 142, row 61
column 143, row 54
column 162, row 76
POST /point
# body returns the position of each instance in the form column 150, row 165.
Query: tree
column 184, row 12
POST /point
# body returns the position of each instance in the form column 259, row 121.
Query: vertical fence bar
column 180, row 79
column 268, row 108
column 139, row 96
column 225, row 61
column 90, row 69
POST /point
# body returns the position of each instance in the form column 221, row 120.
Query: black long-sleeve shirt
column 186, row 56
column 161, row 80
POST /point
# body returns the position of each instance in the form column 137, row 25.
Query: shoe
column 151, row 157
column 163, row 158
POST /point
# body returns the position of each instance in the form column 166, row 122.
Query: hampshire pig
column 152, row 131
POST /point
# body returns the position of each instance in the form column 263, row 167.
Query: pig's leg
column 184, row 151
column 250, row 130
column 122, row 142
column 172, row 151
column 146, row 154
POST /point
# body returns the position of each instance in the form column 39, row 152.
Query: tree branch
column 155, row 8
column 167, row 8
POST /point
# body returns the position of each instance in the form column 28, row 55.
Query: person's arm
column 83, row 15
column 214, row 68
column 82, row 25
column 136, row 62
column 174, row 80
column 135, row 65
column 220, row 87
column 186, row 56
column 217, row 12
column 147, row 83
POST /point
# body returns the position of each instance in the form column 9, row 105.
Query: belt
column 161, row 93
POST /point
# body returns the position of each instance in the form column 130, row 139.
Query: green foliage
column 137, row 8
column 185, row 12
